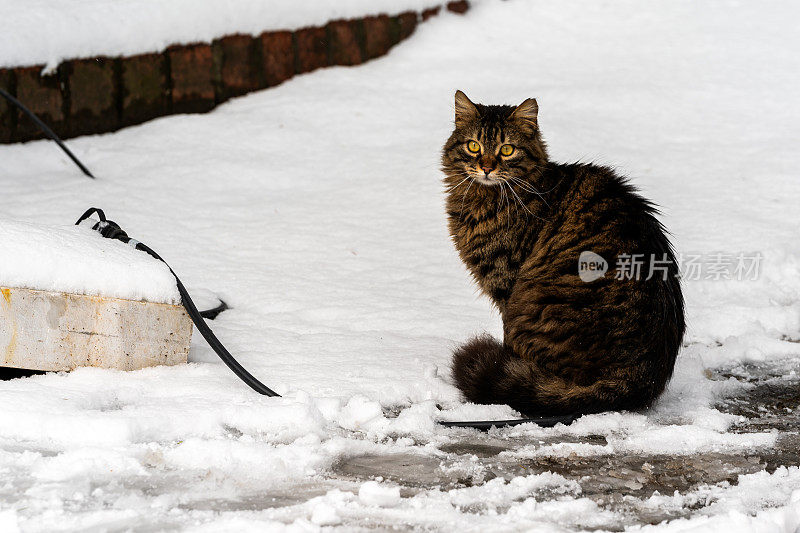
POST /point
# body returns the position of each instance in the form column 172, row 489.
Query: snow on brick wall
column 34, row 32
column 174, row 70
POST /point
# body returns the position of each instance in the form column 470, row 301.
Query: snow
column 740, row 508
column 374, row 493
column 315, row 209
column 34, row 32
column 77, row 260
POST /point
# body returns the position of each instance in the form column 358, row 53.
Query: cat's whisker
column 508, row 204
column 527, row 187
column 524, row 206
column 516, row 209
column 463, row 197
column 524, row 186
column 452, row 188
column 551, row 189
column 501, row 195
column 454, row 175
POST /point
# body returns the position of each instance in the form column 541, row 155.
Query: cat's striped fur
column 520, row 224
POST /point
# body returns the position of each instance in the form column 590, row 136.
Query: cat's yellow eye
column 506, row 150
column 473, row 147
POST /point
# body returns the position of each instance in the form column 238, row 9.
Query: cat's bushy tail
column 489, row 372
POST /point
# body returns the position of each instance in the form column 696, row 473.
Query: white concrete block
column 51, row 331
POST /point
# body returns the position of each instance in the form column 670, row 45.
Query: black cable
column 46, row 130
column 111, row 230
column 9, row 373
column 211, row 314
column 484, row 425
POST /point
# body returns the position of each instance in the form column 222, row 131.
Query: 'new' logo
column 591, row 266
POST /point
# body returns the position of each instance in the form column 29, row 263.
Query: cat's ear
column 465, row 109
column 527, row 114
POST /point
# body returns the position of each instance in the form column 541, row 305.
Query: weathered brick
column 7, row 115
column 344, row 43
column 277, row 56
column 408, row 23
column 144, row 88
column 430, row 12
column 460, row 6
column 377, row 36
column 239, row 68
column 191, row 81
column 312, row 49
column 92, row 96
column 394, row 30
column 42, row 95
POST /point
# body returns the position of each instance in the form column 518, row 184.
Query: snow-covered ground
column 315, row 210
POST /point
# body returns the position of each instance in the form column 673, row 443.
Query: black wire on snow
column 485, row 425
column 46, row 130
column 211, row 314
column 111, row 230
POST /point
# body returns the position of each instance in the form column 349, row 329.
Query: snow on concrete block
column 55, row 331
column 70, row 298
column 77, row 260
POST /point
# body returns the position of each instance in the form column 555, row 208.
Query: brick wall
column 102, row 94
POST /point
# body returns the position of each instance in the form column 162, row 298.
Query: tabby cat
column 577, row 338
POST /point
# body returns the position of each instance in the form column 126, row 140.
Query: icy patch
column 77, row 260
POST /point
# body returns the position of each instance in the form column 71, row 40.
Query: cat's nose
column 487, row 169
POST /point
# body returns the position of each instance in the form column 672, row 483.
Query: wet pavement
column 765, row 397
column 768, row 399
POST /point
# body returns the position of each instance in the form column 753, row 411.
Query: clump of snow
column 48, row 31
column 8, row 521
column 77, row 260
column 378, row 494
column 739, row 507
column 325, row 514
column 498, row 492
column 749, row 494
column 359, row 412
